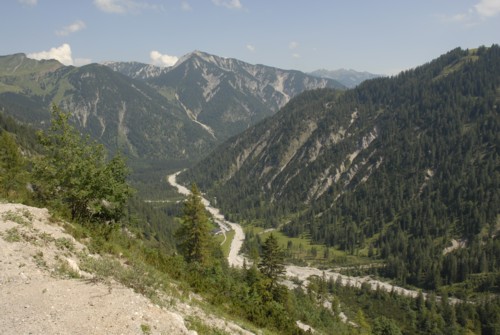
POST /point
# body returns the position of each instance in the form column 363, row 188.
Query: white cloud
column 162, row 60
column 482, row 10
column 122, row 6
column 295, row 55
column 293, row 45
column 72, row 28
column 185, row 6
column 61, row 54
column 110, row 6
column 231, row 4
column 488, row 8
column 30, row 3
column 457, row 18
column 251, row 47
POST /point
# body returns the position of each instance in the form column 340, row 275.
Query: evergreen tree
column 194, row 233
column 272, row 261
column 74, row 175
column 385, row 326
column 13, row 173
column 364, row 326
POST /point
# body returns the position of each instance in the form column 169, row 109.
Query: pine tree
column 271, row 264
column 385, row 326
column 364, row 326
column 74, row 175
column 194, row 233
column 13, row 173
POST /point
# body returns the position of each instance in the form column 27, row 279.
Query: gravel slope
column 38, row 295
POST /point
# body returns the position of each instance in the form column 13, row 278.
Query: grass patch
column 140, row 277
column 197, row 325
column 23, row 217
column 64, row 270
column 146, row 329
column 300, row 250
column 457, row 65
column 226, row 246
column 45, row 238
column 64, row 243
column 39, row 260
column 12, row 235
column 77, row 231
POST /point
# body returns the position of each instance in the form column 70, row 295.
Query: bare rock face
column 224, row 96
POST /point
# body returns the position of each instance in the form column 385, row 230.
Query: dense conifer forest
column 428, row 172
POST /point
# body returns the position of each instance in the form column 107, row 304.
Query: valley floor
column 293, row 271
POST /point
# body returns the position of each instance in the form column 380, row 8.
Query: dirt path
column 38, row 297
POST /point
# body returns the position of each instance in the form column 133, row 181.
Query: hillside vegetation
column 386, row 199
column 161, row 119
column 394, row 170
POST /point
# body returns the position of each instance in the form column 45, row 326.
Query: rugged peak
column 136, row 70
column 200, row 55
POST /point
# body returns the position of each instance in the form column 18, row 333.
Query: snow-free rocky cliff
column 224, row 95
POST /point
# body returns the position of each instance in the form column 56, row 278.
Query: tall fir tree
column 272, row 261
column 194, row 233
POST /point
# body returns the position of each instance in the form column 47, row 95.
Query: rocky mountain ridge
column 348, row 77
column 175, row 114
column 224, row 95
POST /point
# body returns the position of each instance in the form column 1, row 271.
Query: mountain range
column 224, row 96
column 348, row 77
column 396, row 178
column 395, row 168
column 150, row 113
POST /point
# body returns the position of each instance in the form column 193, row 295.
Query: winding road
column 292, row 271
column 234, row 258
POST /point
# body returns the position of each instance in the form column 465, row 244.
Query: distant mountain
column 136, row 70
column 348, row 78
column 224, row 95
column 398, row 166
column 117, row 110
column 176, row 114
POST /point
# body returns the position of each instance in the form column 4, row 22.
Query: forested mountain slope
column 120, row 112
column 170, row 115
column 395, row 169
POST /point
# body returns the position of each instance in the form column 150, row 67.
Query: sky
column 382, row 37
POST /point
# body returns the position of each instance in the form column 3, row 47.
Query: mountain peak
column 136, row 70
column 200, row 55
column 20, row 63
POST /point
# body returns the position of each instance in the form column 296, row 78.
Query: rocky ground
column 43, row 290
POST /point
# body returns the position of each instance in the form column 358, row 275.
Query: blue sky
column 377, row 36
